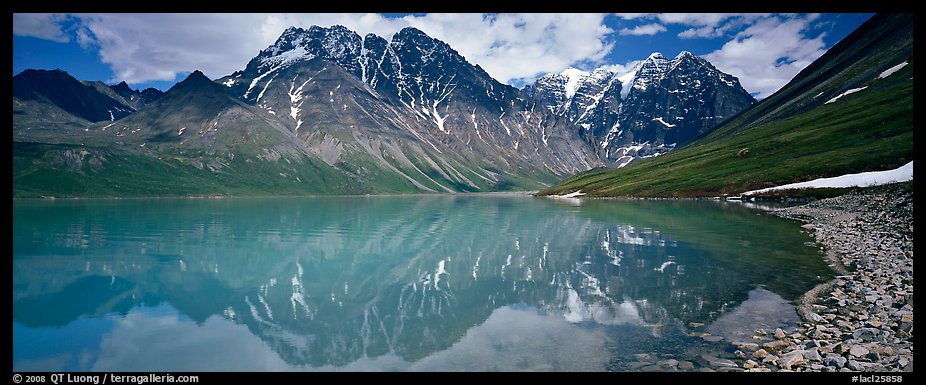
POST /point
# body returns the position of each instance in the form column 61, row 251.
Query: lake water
column 465, row 282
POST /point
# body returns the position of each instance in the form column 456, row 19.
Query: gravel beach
column 862, row 320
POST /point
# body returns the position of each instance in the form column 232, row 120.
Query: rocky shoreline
column 862, row 320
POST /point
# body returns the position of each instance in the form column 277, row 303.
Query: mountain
column 849, row 111
column 316, row 112
column 43, row 98
column 194, row 140
column 412, row 107
column 135, row 98
column 646, row 112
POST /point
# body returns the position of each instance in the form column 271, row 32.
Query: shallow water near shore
column 474, row 283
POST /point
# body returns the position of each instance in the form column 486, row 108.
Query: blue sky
column 157, row 50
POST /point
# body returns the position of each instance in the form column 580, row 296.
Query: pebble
column 776, row 345
column 812, row 354
column 780, row 334
column 795, row 357
column 750, row 346
column 834, row 360
column 858, row 351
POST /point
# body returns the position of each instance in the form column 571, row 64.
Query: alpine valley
column 327, row 111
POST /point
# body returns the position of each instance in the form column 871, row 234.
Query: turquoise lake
column 503, row 282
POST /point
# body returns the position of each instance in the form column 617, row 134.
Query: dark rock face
column 61, row 90
column 658, row 105
column 135, row 98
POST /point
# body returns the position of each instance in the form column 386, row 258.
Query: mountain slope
column 45, row 102
column 195, row 140
column 804, row 131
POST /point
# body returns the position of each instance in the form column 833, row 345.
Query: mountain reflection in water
column 498, row 282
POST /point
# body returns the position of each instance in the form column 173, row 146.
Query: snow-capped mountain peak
column 684, row 54
column 573, row 77
column 646, row 111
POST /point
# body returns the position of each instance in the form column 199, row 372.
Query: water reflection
column 382, row 283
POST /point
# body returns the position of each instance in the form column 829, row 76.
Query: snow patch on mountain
column 573, row 77
column 864, row 179
column 890, row 71
column 848, row 92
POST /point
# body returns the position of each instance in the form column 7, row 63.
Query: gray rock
column 712, row 338
column 843, row 348
column 750, row 346
column 834, row 360
column 867, row 334
column 730, row 369
column 855, row 365
column 636, row 365
column 816, row 317
column 775, row 346
column 780, row 334
column 721, row 362
column 812, row 354
column 791, row 359
column 685, row 365
column 858, row 351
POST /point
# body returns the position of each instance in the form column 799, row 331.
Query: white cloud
column 765, row 51
column 621, row 69
column 41, row 25
column 145, row 47
column 694, row 19
column 769, row 53
column 643, row 30
column 519, row 47
column 704, row 25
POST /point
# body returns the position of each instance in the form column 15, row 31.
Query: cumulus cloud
column 765, row 51
column 703, row 25
column 643, row 30
column 769, row 53
column 41, row 25
column 515, row 48
column 622, row 69
column 145, row 47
